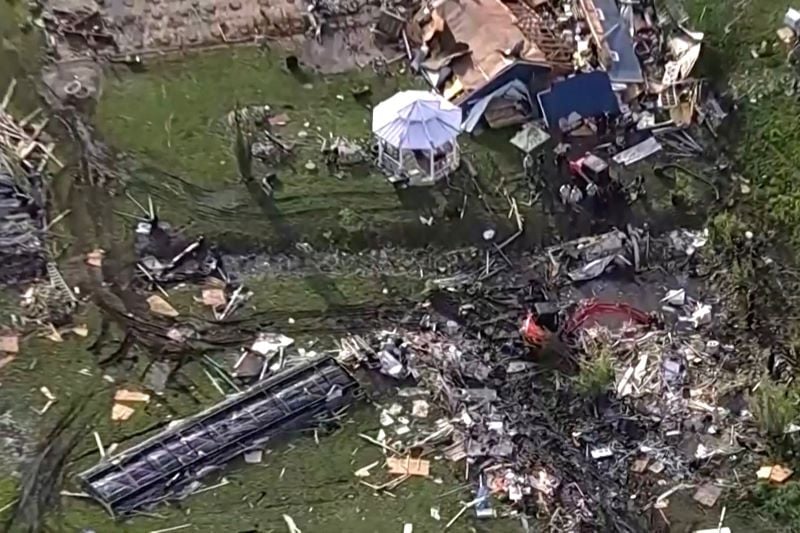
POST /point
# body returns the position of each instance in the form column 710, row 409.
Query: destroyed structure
column 168, row 465
column 576, row 68
column 498, row 347
column 24, row 154
column 516, row 398
column 22, row 253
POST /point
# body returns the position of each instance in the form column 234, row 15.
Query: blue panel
column 525, row 72
column 589, row 95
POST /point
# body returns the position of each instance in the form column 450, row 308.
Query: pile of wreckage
column 603, row 80
column 22, row 253
column 487, row 372
column 24, row 155
column 673, row 416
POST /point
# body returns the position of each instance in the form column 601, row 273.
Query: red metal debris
column 592, row 307
column 532, row 332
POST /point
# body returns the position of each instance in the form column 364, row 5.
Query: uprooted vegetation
column 776, row 407
column 596, row 375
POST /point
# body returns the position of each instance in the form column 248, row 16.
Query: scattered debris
column 166, row 256
column 253, row 456
column 676, row 297
column 270, row 343
column 409, row 467
column 420, row 409
column 214, row 298
column 636, row 153
column 171, row 529
column 602, row 453
column 22, row 256
column 95, row 258
column 121, row 412
column 9, row 344
column 26, row 140
column 160, row 306
column 124, row 395
column 707, row 495
column 364, row 471
column 777, row 473
column 792, row 20
column 291, row 524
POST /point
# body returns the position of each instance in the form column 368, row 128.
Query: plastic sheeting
column 416, row 120
column 514, row 89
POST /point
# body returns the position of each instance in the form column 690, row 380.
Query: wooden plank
column 9, row 94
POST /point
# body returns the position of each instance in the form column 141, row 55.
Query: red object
column 532, row 332
column 591, row 308
column 576, row 167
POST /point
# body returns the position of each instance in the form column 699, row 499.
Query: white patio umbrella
column 415, row 120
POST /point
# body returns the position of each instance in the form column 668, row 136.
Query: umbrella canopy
column 416, row 120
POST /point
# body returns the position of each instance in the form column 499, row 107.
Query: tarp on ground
column 514, row 90
column 588, row 95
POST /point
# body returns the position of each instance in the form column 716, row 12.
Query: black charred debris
column 22, row 255
column 166, row 256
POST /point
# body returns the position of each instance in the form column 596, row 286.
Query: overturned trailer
column 165, row 466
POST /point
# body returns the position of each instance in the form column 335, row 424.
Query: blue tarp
column 589, row 95
column 624, row 67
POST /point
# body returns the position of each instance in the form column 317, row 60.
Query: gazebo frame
column 393, row 160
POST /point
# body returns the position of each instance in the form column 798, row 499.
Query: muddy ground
column 165, row 127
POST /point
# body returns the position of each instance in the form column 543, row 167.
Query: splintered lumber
column 124, row 395
column 408, row 466
column 21, row 139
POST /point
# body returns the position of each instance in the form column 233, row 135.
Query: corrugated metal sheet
column 164, row 466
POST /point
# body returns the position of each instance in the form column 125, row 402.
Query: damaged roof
column 488, row 28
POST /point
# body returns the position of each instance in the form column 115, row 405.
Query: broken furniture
column 166, row 465
column 417, row 132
